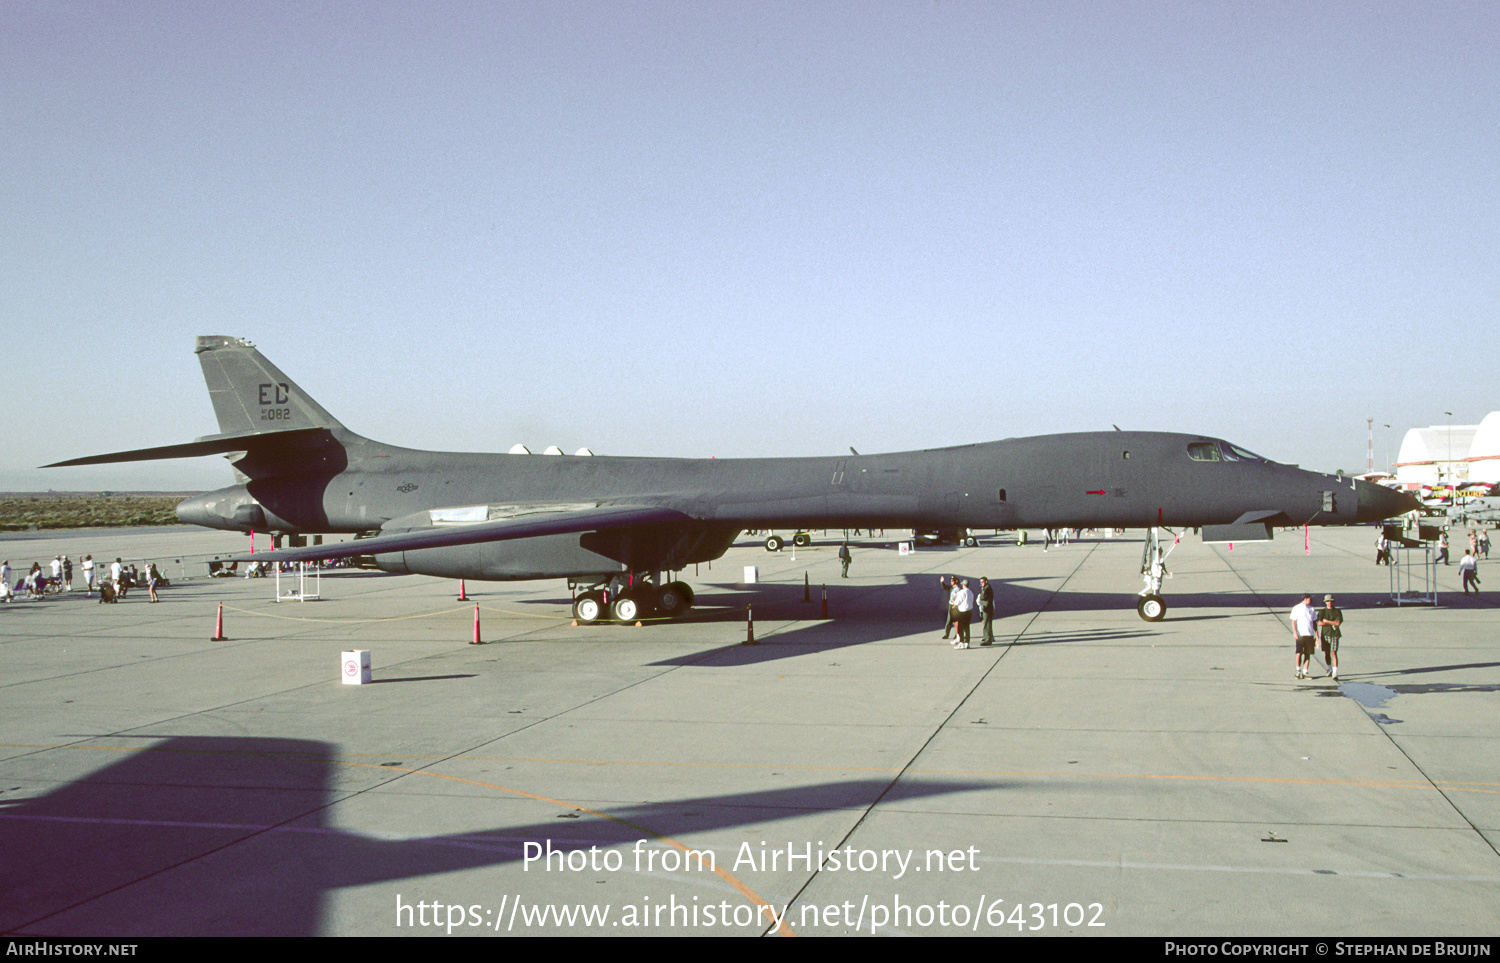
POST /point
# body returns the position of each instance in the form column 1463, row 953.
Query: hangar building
column 1451, row 454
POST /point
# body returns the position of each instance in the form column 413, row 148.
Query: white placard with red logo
column 354, row 667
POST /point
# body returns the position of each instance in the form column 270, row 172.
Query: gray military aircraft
column 617, row 527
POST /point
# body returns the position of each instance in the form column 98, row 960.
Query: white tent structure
column 1438, row 455
column 1484, row 451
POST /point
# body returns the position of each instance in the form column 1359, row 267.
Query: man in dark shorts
column 1304, row 628
column 1330, row 628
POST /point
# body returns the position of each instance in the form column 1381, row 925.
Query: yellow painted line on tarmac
column 1283, row 780
column 764, row 907
column 1480, row 787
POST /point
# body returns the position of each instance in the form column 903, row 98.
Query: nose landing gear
column 1151, row 606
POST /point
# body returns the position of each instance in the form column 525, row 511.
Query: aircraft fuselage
column 589, row 519
column 1092, row 479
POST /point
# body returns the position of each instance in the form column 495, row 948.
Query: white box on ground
column 355, row 667
column 752, row 574
column 904, row 548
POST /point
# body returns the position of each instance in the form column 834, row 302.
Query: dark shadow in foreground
column 212, row 836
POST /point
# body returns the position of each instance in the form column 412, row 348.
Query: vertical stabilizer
column 249, row 393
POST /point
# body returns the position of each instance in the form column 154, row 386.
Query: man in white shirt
column 1469, row 569
column 88, row 574
column 1304, row 630
column 962, row 601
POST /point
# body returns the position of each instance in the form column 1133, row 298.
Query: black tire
column 669, row 598
column 802, row 538
column 774, row 543
column 1152, row 608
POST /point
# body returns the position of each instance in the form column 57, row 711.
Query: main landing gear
column 1151, row 606
column 622, row 601
column 775, row 543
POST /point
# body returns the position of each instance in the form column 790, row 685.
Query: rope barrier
column 398, row 618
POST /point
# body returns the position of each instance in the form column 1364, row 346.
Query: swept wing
column 529, row 525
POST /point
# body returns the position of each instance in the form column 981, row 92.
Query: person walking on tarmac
column 1468, row 567
column 845, row 558
column 1304, row 627
column 987, row 608
column 1331, row 628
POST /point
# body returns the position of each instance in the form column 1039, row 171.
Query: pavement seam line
column 959, row 704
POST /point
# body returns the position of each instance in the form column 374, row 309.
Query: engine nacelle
column 232, row 509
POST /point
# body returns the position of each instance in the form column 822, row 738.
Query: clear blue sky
column 752, row 228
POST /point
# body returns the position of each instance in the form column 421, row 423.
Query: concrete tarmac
column 1089, row 774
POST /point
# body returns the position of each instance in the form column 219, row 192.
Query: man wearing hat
column 1330, row 627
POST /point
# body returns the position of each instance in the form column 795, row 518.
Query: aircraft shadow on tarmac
column 921, row 599
column 864, row 614
column 1419, row 670
column 201, row 835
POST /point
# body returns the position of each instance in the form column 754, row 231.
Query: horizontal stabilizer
column 592, row 519
column 207, row 445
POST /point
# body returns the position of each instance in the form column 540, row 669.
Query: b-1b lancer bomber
column 617, row 527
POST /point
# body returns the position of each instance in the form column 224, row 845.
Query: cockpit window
column 1236, row 453
column 1203, row 451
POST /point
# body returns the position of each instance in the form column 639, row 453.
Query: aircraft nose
column 1377, row 502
